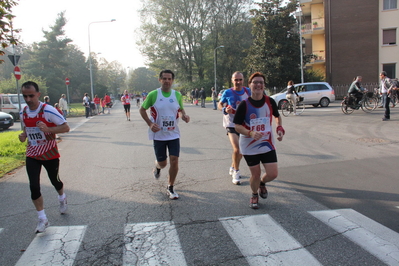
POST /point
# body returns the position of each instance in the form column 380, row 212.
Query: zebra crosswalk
column 264, row 242
column 380, row 241
column 260, row 239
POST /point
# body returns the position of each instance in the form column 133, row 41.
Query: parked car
column 9, row 104
column 314, row 93
column 6, row 120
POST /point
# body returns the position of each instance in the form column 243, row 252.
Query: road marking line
column 264, row 242
column 377, row 239
column 152, row 244
column 58, row 245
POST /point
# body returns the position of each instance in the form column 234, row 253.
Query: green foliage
column 49, row 58
column 311, row 75
column 275, row 51
column 182, row 34
column 12, row 151
column 9, row 85
column 6, row 30
column 143, row 79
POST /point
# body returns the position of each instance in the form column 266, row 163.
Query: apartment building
column 351, row 38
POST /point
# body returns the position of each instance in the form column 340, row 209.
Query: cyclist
column 355, row 90
column 290, row 95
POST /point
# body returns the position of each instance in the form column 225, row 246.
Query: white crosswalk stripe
column 260, row 239
column 56, row 246
column 152, row 244
column 264, row 242
column 380, row 241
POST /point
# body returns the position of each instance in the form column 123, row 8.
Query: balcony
column 316, row 27
column 319, row 58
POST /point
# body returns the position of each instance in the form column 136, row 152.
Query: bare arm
column 55, row 130
column 154, row 127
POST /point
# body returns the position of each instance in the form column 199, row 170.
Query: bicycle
column 368, row 103
column 394, row 98
column 287, row 108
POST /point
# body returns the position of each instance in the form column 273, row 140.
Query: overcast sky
column 114, row 40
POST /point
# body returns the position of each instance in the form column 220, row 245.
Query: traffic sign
column 14, row 59
column 17, row 72
column 66, row 81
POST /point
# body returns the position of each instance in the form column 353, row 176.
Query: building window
column 389, row 37
column 390, row 4
column 390, row 69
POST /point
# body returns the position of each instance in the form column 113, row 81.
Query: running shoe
column 254, row 202
column 42, row 225
column 236, row 178
column 231, row 171
column 263, row 191
column 63, row 206
column 157, row 172
column 172, row 194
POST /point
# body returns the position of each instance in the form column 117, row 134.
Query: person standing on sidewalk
column 96, row 101
column 228, row 104
column 202, row 95
column 165, row 104
column 253, row 120
column 386, row 88
column 40, row 124
column 63, row 105
column 214, row 98
column 86, row 104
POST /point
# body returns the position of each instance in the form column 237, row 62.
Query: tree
column 143, row 79
column 182, row 34
column 275, row 50
column 49, row 58
column 9, row 85
column 6, row 30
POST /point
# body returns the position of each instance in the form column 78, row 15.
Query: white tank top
column 165, row 113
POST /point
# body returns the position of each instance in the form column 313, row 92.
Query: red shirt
column 107, row 99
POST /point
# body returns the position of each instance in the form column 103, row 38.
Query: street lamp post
column 299, row 15
column 127, row 78
column 90, row 64
column 214, row 61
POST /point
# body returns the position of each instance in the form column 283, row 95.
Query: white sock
column 41, row 214
column 61, row 197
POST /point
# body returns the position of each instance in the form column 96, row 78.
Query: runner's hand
column 154, row 127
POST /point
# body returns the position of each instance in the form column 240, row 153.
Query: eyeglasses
column 237, row 79
column 257, row 82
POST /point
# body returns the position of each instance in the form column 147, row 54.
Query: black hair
column 29, row 84
column 167, row 71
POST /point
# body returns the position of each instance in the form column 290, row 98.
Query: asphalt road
column 327, row 161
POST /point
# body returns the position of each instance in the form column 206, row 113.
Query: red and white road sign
column 66, row 81
column 17, row 72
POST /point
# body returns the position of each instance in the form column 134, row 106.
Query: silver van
column 9, row 104
column 314, row 93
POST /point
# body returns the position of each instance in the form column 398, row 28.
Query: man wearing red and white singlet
column 40, row 124
column 125, row 99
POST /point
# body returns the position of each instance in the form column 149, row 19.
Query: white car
column 314, row 93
